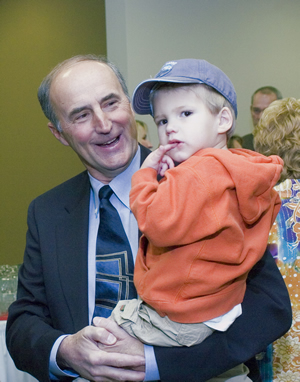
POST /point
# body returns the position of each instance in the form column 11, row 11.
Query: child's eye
column 162, row 122
column 186, row 113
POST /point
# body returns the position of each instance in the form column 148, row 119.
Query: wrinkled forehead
column 83, row 83
column 80, row 72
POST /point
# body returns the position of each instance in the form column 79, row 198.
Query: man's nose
column 102, row 123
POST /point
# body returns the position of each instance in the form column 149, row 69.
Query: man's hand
column 159, row 160
column 125, row 344
column 104, row 352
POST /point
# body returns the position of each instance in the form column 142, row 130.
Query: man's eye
column 81, row 116
column 110, row 104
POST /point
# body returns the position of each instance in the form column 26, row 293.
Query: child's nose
column 171, row 127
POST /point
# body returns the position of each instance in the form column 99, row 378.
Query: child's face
column 182, row 118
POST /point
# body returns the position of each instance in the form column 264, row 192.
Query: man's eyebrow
column 77, row 110
column 81, row 108
column 110, row 96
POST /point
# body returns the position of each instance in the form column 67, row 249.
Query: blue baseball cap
column 186, row 71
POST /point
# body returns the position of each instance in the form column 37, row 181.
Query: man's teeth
column 108, row 143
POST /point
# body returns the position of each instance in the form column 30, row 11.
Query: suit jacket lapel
column 144, row 153
column 72, row 251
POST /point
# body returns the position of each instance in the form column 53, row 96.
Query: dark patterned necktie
column 114, row 261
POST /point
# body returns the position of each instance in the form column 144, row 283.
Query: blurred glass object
column 8, row 287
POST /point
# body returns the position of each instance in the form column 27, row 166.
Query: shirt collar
column 120, row 185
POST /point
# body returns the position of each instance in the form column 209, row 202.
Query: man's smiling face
column 96, row 118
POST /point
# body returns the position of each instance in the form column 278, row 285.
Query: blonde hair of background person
column 142, row 132
column 278, row 133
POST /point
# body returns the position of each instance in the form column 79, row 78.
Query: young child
column 206, row 222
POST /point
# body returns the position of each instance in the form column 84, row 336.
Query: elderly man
column 51, row 332
column 260, row 100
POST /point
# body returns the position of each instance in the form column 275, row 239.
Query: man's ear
column 225, row 120
column 58, row 135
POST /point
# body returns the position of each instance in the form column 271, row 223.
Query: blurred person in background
column 260, row 100
column 278, row 133
column 142, row 131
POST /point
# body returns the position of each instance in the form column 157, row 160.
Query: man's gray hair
column 44, row 89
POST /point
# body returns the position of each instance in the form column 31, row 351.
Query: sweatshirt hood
column 254, row 176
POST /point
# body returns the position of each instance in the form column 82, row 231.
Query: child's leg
column 144, row 323
column 236, row 374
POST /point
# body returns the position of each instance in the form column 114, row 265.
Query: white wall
column 256, row 43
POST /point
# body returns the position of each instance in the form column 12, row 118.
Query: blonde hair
column 278, row 133
column 143, row 124
column 142, row 129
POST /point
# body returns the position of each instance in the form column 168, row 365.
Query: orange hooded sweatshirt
column 205, row 225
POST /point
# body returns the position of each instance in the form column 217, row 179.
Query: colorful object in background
column 285, row 246
column 8, row 287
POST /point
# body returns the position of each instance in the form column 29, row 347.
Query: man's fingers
column 111, row 330
column 107, row 374
column 116, row 367
column 84, row 353
column 118, row 360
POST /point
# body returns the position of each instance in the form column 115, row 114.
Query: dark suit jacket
column 248, row 142
column 53, row 296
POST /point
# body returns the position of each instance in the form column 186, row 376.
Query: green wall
column 34, row 36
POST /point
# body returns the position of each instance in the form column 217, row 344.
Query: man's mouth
column 109, row 143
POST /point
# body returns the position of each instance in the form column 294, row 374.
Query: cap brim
column 141, row 94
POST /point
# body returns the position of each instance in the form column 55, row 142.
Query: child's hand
column 159, row 160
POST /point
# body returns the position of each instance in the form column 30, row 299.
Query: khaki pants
column 144, row 323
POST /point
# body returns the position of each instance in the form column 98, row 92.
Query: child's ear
column 225, row 120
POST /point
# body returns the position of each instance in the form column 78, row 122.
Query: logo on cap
column 166, row 69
